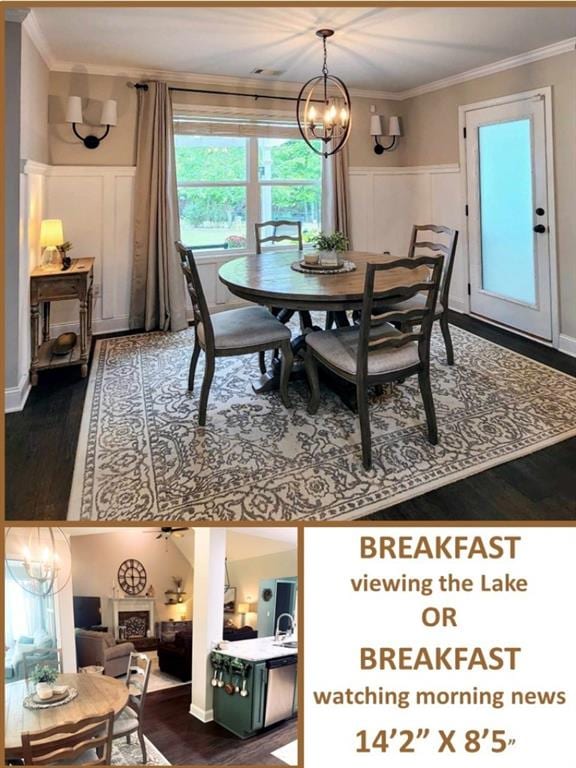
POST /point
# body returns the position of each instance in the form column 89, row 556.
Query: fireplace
column 136, row 623
column 136, row 614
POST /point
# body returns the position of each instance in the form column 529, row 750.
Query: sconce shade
column 375, row 125
column 394, row 128
column 74, row 109
column 51, row 233
column 243, row 608
column 109, row 113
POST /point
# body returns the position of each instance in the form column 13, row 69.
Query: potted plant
column 44, row 678
column 330, row 247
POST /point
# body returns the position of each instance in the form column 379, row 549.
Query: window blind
column 223, row 121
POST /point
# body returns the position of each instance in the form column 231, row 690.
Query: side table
column 50, row 283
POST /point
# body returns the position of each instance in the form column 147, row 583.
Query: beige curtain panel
column 335, row 205
column 157, row 299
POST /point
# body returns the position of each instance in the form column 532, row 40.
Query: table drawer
column 57, row 288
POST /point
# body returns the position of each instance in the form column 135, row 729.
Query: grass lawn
column 195, row 236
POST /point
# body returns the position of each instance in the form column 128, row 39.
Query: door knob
column 540, row 228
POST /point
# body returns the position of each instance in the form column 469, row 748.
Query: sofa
column 100, row 649
column 41, row 643
column 175, row 655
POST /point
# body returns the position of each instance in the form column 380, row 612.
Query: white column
column 208, row 614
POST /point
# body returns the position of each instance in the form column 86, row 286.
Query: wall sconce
column 108, row 118
column 376, row 130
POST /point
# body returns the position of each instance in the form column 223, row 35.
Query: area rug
column 142, row 456
column 288, row 754
column 159, row 681
column 131, row 754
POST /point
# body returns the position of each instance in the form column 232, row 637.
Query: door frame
column 546, row 94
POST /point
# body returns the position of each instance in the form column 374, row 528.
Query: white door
column 509, row 243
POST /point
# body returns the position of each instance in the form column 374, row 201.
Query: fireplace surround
column 134, row 613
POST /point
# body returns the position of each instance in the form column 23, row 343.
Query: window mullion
column 253, row 192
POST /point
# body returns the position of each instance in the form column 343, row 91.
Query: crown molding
column 193, row 78
column 16, row 15
column 546, row 52
column 39, row 39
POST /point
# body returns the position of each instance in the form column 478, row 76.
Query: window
column 227, row 183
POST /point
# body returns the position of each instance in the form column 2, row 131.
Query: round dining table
column 97, row 695
column 269, row 279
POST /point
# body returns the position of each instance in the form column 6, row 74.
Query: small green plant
column 43, row 673
column 334, row 242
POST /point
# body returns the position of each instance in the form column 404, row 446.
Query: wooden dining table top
column 269, row 279
column 97, row 695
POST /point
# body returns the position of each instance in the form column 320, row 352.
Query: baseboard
column 567, row 344
column 15, row 397
column 458, row 305
column 110, row 325
column 204, row 715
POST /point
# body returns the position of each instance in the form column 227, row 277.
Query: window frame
column 253, row 185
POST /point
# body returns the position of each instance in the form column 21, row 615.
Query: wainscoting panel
column 386, row 202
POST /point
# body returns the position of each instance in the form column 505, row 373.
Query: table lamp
column 51, row 236
column 243, row 609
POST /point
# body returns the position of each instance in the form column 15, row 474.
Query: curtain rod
column 256, row 96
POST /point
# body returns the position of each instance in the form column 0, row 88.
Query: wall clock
column 132, row 577
column 267, row 594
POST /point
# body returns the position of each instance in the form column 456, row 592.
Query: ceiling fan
column 166, row 531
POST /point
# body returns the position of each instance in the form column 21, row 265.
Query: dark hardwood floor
column 184, row 740
column 41, row 446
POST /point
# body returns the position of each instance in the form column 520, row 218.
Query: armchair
column 101, row 649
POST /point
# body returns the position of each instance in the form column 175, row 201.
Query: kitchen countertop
column 259, row 649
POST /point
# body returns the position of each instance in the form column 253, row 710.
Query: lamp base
column 49, row 256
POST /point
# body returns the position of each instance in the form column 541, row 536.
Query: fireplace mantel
column 132, row 603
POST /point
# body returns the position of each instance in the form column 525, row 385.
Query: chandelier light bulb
column 312, row 115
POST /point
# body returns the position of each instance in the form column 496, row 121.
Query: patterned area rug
column 131, row 754
column 142, row 456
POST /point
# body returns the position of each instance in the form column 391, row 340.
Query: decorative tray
column 57, row 699
column 321, row 269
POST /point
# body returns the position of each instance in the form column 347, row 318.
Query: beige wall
column 431, row 125
column 34, row 103
column 245, row 575
column 119, row 147
column 95, row 562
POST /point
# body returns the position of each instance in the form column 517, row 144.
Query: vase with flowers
column 330, row 248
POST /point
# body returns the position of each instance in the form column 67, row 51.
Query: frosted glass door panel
column 506, row 210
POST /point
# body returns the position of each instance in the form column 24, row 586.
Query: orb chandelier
column 33, row 562
column 323, row 108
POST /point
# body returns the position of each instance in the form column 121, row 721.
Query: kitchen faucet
column 278, row 634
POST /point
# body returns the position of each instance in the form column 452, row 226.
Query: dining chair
column 130, row 719
column 231, row 333
column 87, row 741
column 447, row 248
column 284, row 315
column 375, row 352
column 46, row 657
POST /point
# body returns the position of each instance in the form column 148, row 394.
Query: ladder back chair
column 130, row 720
column 231, row 333
column 284, row 315
column 88, row 741
column 48, row 657
column 448, row 249
column 375, row 352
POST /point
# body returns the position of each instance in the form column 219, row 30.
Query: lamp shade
column 74, row 109
column 394, row 128
column 109, row 113
column 375, row 125
column 51, row 233
column 243, row 608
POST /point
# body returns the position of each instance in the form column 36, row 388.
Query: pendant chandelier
column 33, row 561
column 323, row 109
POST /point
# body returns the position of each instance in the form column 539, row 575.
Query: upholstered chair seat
column 249, row 326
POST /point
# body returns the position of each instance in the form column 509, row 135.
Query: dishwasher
column 281, row 689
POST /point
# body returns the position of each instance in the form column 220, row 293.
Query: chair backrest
column 67, row 743
column 44, row 657
column 448, row 248
column 137, row 681
column 202, row 322
column 277, row 237
column 374, row 334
